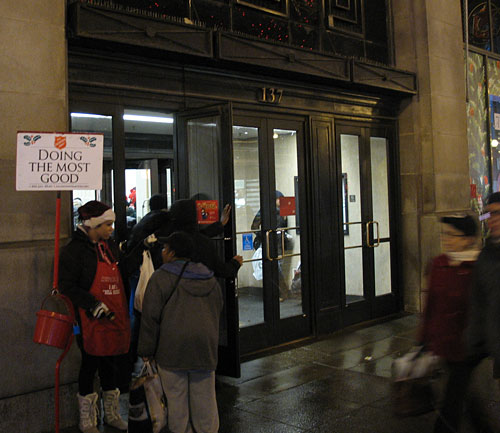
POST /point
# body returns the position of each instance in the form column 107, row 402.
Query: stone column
column 433, row 131
column 33, row 96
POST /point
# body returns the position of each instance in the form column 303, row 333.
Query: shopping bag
column 148, row 403
column 413, row 387
column 257, row 264
column 146, row 271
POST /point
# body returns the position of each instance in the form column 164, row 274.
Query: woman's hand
column 226, row 212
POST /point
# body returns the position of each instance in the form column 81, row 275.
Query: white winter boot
column 88, row 413
column 111, row 412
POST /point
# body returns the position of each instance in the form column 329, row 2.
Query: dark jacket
column 184, row 218
column 78, row 266
column 180, row 326
column 445, row 314
column 484, row 320
column 160, row 224
column 149, row 224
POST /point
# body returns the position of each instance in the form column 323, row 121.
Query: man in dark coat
column 183, row 218
column 484, row 318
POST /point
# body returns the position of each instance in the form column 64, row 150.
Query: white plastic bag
column 148, row 403
column 146, row 271
column 413, row 386
column 257, row 265
column 415, row 364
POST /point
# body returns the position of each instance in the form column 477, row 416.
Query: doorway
column 367, row 234
column 273, row 297
column 140, row 152
column 256, row 164
column 313, row 207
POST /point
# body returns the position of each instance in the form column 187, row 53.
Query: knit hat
column 464, row 223
column 181, row 243
column 183, row 213
column 94, row 213
column 157, row 202
column 493, row 198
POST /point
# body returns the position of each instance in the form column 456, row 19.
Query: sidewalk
column 340, row 384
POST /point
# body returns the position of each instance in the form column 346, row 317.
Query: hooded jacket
column 180, row 325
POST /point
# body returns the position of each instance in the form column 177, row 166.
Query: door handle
column 368, row 224
column 282, row 235
column 378, row 235
column 268, row 252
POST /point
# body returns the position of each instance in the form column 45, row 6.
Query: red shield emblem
column 60, row 142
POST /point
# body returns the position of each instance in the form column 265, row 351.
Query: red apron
column 105, row 337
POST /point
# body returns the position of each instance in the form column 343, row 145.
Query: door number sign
column 270, row 95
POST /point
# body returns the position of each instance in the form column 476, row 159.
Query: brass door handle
column 282, row 233
column 268, row 253
column 368, row 224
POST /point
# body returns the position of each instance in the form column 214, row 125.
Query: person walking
column 180, row 331
column 445, row 314
column 90, row 276
column 484, row 318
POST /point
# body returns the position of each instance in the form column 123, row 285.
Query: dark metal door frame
column 229, row 354
column 274, row 330
column 371, row 306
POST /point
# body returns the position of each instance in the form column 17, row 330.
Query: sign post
column 58, row 162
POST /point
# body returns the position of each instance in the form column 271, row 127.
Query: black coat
column 151, row 223
column 77, row 269
column 161, row 225
column 483, row 333
column 184, row 218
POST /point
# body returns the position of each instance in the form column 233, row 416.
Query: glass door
column 271, row 299
column 204, row 170
column 138, row 155
column 366, row 222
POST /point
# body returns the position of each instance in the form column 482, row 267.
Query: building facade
column 337, row 131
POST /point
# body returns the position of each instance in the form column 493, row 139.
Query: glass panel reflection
column 288, row 241
column 353, row 275
column 85, row 122
column 250, row 281
column 380, row 187
column 353, row 241
column 148, row 145
column 383, row 281
column 203, row 154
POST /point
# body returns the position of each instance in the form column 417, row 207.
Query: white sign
column 59, row 161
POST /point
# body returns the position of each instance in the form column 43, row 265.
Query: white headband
column 92, row 223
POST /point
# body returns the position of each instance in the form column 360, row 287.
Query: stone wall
column 33, row 96
column 432, row 131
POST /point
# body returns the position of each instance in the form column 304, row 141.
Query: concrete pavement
column 338, row 384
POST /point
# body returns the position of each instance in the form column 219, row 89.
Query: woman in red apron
column 90, row 276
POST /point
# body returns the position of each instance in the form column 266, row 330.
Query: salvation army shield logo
column 60, row 142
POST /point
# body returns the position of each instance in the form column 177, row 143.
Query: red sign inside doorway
column 207, row 211
column 287, row 206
